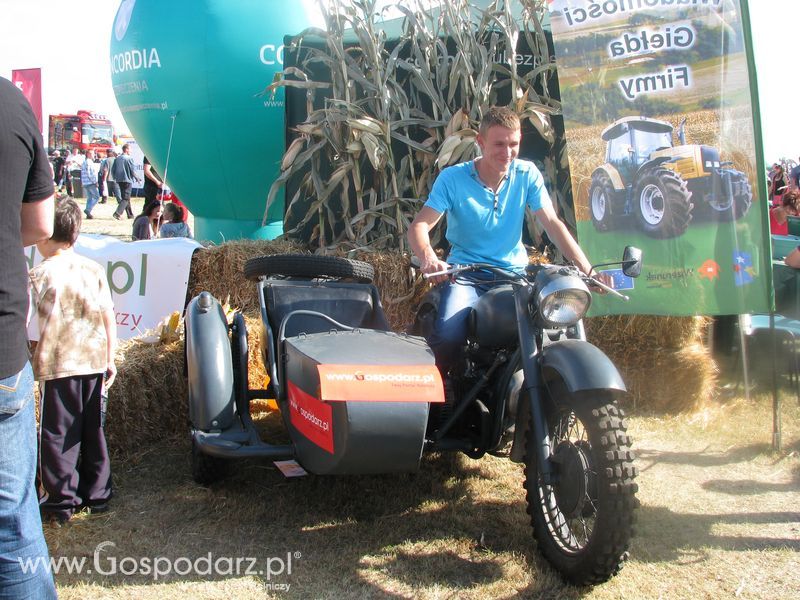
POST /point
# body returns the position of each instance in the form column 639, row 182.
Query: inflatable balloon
column 186, row 75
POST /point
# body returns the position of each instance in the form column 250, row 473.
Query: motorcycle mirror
column 632, row 261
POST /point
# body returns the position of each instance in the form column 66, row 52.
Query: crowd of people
column 784, row 196
column 107, row 173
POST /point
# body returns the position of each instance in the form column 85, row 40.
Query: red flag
column 29, row 81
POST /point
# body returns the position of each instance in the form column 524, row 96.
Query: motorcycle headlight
column 563, row 301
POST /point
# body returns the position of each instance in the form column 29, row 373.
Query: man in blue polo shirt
column 485, row 201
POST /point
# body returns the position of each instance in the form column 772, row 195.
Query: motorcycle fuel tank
column 357, row 401
column 493, row 320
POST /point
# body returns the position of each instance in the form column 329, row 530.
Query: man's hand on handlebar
column 603, row 278
column 434, row 266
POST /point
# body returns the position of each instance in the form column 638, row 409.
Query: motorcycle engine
column 441, row 412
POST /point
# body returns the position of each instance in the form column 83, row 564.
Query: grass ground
column 719, row 517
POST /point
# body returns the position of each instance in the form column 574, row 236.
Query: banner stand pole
column 776, row 401
column 743, row 355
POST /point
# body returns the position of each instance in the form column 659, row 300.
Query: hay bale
column 638, row 333
column 147, row 403
column 663, row 360
column 218, row 270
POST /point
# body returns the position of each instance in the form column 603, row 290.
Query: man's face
column 499, row 146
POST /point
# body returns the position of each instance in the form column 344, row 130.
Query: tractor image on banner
column 660, row 186
column 663, row 145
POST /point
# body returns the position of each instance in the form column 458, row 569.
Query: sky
column 70, row 42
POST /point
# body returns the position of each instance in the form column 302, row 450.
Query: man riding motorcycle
column 485, row 201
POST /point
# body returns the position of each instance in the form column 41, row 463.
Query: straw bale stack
column 662, row 359
column 218, row 270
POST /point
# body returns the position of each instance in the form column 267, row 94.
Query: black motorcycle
column 358, row 398
column 527, row 377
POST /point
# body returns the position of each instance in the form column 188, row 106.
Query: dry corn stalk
column 386, row 116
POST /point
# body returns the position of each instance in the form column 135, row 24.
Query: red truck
column 85, row 130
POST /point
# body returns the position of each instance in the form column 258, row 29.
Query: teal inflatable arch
column 186, row 74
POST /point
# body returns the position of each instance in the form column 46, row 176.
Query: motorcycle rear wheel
column 583, row 522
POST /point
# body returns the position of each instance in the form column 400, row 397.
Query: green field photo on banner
column 662, row 149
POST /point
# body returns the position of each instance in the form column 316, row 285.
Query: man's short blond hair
column 499, row 115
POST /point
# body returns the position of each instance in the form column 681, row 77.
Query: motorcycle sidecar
column 353, row 396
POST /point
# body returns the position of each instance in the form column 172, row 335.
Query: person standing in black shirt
column 26, row 217
column 152, row 182
column 58, row 169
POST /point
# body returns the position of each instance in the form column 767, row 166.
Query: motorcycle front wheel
column 583, row 520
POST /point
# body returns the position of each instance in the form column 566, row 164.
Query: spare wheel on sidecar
column 308, row 266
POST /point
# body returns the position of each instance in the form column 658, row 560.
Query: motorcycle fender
column 582, row 366
column 209, row 365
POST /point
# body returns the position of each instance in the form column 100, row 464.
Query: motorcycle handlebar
column 514, row 276
column 603, row 286
column 473, row 267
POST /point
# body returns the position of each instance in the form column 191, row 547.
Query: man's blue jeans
column 92, row 196
column 449, row 333
column 22, row 542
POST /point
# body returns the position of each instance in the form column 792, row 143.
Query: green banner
column 660, row 127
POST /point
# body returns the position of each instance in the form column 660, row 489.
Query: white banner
column 148, row 278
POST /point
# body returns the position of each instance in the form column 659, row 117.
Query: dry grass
column 719, row 518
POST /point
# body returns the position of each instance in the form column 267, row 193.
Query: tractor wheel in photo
column 601, row 194
column 308, row 266
column 742, row 194
column 662, row 203
column 724, row 206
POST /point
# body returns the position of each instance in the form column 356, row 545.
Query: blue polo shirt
column 483, row 226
